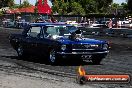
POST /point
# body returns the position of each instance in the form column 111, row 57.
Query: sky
column 33, row 1
column 30, row 1
column 119, row 1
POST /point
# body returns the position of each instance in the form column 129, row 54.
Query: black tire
column 20, row 51
column 96, row 61
column 52, row 58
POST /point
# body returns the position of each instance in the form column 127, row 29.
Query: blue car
column 58, row 41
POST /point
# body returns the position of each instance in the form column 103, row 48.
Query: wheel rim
column 20, row 50
column 52, row 56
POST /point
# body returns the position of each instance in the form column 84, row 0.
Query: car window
column 63, row 30
column 52, row 30
column 58, row 30
column 34, row 31
column 72, row 28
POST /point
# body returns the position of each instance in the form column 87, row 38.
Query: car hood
column 81, row 41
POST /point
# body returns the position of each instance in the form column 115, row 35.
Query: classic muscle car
column 58, row 41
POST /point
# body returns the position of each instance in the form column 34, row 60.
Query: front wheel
column 98, row 58
column 96, row 61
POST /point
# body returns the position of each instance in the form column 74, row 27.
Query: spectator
column 53, row 20
column 117, row 24
column 110, row 24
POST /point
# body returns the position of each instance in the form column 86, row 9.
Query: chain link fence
column 60, row 18
column 11, row 22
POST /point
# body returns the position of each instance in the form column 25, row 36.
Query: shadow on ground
column 40, row 60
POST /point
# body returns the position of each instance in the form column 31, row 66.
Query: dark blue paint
column 81, row 41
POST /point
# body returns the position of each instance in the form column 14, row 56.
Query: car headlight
column 105, row 46
column 63, row 47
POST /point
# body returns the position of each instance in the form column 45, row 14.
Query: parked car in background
column 97, row 24
column 57, row 41
column 8, row 23
column 20, row 24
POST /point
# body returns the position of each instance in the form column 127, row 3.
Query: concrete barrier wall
column 123, row 32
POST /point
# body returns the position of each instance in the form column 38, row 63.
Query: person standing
column 110, row 24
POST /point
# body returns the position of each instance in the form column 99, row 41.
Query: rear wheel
column 52, row 57
column 20, row 51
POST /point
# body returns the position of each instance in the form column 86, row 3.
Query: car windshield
column 60, row 30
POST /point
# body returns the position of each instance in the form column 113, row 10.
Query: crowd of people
column 115, row 24
column 51, row 19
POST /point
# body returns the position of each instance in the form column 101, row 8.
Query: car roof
column 49, row 24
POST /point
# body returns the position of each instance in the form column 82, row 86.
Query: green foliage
column 6, row 3
column 77, row 9
column 62, row 8
column 103, row 5
column 15, row 6
column 114, row 6
column 90, row 6
column 35, row 10
column 129, row 2
column 124, row 6
column 25, row 4
column 10, row 3
column 95, row 6
column 1, row 13
column 81, row 6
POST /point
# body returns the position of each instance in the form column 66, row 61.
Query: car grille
column 86, row 46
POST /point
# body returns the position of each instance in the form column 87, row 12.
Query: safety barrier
column 121, row 32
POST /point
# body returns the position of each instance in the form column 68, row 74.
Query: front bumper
column 82, row 53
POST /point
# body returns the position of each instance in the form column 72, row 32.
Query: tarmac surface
column 35, row 73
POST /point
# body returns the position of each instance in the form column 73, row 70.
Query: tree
column 129, row 2
column 83, row 6
column 55, row 6
column 6, row 3
column 114, row 6
column 11, row 3
column 124, row 6
column 88, row 5
column 62, row 7
column 77, row 9
column 103, row 5
column 95, row 6
column 25, row 4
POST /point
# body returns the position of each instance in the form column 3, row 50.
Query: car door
column 48, row 41
column 33, row 39
column 45, row 42
column 42, row 42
